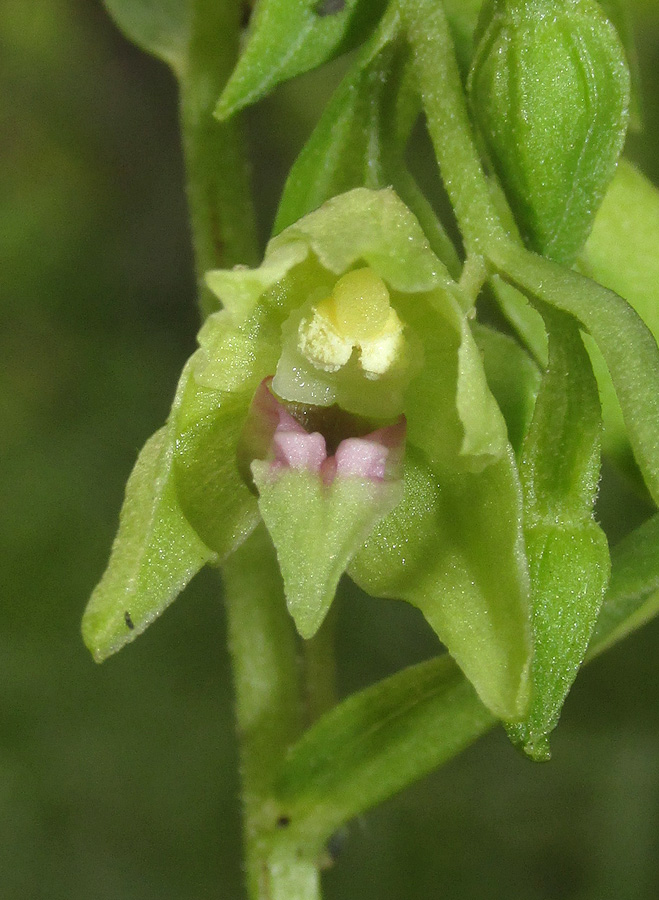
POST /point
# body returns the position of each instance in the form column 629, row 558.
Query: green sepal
column 361, row 226
column 316, row 529
column 211, row 490
column 454, row 548
column 161, row 27
column 549, row 87
column 561, row 458
column 288, row 38
column 155, row 554
column 632, row 598
column 567, row 551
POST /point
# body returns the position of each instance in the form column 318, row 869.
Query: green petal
column 453, row 547
column 316, row 529
column 374, row 227
column 451, row 413
column 155, row 554
column 238, row 352
column 379, row 741
column 161, row 27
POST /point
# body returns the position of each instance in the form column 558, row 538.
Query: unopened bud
column 549, row 86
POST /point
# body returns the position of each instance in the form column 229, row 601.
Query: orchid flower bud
column 549, row 87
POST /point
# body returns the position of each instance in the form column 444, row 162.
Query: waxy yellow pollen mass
column 356, row 314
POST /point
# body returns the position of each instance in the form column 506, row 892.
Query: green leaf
column 345, row 149
column 289, row 37
column 155, row 554
column 567, row 552
column 316, row 529
column 360, row 142
column 374, row 227
column 377, row 742
column 628, row 347
column 632, row 598
column 161, row 27
column 453, row 547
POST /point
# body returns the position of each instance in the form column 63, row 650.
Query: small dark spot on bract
column 337, row 842
column 128, row 620
column 245, row 14
column 283, row 822
column 330, row 7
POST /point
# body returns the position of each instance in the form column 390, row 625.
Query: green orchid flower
column 340, row 397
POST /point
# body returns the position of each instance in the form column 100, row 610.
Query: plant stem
column 217, row 172
column 280, row 864
column 448, row 122
column 320, row 669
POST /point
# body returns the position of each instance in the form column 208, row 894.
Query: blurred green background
column 120, row 781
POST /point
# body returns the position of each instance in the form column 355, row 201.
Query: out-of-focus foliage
column 110, row 792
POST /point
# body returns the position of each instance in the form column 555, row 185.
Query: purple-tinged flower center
column 274, row 434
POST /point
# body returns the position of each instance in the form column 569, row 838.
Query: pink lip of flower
column 370, row 457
